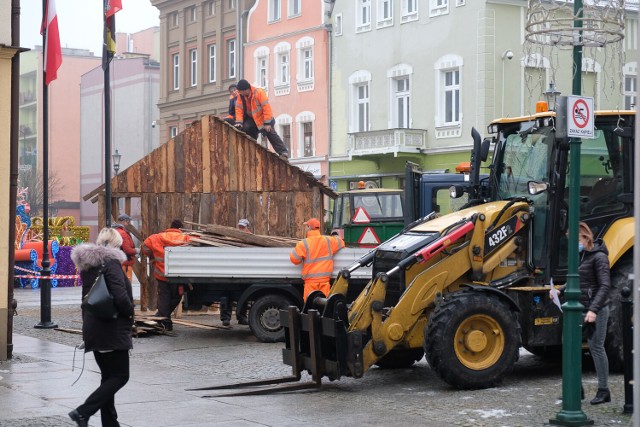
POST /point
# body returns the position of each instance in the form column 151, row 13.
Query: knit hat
column 243, row 85
column 313, row 223
column 124, row 217
column 244, row 223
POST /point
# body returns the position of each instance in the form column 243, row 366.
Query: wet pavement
column 36, row 386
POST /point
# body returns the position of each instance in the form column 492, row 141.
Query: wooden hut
column 212, row 174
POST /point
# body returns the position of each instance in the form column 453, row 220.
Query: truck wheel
column 613, row 343
column 264, row 317
column 400, row 358
column 472, row 340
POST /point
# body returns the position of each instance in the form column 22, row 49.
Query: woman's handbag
column 99, row 301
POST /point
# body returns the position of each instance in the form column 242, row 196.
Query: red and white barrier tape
column 25, row 269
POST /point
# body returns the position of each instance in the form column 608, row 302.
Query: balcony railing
column 387, row 141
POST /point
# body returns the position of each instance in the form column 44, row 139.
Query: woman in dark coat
column 110, row 340
column 595, row 284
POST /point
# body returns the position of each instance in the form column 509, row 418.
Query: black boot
column 603, row 395
column 79, row 419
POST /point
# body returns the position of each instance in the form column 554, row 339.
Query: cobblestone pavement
column 403, row 397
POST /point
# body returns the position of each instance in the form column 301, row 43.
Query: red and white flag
column 52, row 50
column 113, row 6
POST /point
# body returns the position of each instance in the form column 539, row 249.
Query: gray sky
column 80, row 21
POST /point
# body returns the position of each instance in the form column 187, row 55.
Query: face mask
column 580, row 247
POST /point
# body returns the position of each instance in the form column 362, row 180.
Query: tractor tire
column 613, row 343
column 400, row 358
column 472, row 340
column 264, row 317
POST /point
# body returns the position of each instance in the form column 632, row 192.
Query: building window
column 385, row 13
column 193, row 66
column 285, row 132
column 307, row 61
column 363, row 16
column 231, row 49
column 274, row 10
column 438, row 7
column 629, row 92
column 262, row 72
column 409, row 10
column 212, row 63
column 192, row 13
column 401, row 102
column 362, row 107
column 307, row 139
column 173, row 131
column 451, row 93
column 176, row 71
column 338, row 25
column 231, row 4
column 173, row 19
column 294, row 8
column 211, row 7
column 283, row 68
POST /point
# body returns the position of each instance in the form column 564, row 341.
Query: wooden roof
column 239, row 178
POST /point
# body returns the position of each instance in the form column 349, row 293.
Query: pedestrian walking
column 254, row 116
column 128, row 247
column 316, row 252
column 109, row 340
column 169, row 294
column 595, row 286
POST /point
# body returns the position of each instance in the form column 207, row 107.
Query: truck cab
column 367, row 217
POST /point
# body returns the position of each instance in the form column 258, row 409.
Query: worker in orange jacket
column 316, row 252
column 169, row 294
column 254, row 116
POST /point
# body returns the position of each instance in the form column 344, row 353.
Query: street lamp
column 552, row 96
column 116, row 161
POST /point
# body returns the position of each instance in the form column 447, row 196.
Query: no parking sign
column 580, row 116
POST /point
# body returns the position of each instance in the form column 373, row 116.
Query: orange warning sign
column 361, row 216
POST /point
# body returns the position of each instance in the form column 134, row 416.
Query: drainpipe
column 239, row 36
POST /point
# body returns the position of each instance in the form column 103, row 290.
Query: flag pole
column 106, row 61
column 45, row 282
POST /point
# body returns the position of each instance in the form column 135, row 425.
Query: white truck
column 258, row 279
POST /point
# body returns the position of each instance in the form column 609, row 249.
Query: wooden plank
column 216, row 157
column 204, row 215
column 179, row 165
column 232, row 171
column 171, row 166
column 223, row 184
column 193, row 158
column 206, row 154
column 101, row 211
column 251, row 165
column 259, row 168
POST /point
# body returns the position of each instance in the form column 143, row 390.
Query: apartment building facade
column 287, row 54
column 411, row 78
column 201, row 55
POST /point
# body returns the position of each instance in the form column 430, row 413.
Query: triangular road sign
column 361, row 216
column 369, row 238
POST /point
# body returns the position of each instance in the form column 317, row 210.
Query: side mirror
column 535, row 187
column 484, row 149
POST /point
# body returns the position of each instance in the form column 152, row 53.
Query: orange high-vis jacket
column 316, row 252
column 155, row 244
column 258, row 108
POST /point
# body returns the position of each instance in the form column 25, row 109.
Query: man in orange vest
column 169, row 294
column 254, row 115
column 127, row 247
column 316, row 252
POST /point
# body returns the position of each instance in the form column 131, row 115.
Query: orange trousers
column 324, row 287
